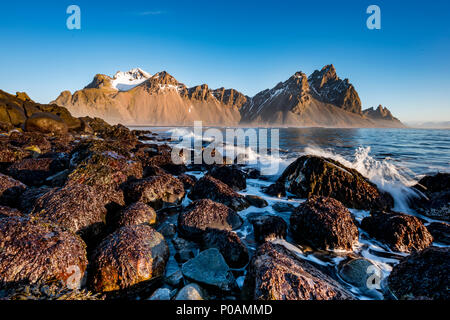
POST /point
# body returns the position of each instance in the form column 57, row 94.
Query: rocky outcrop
column 230, row 175
column 401, row 232
column 324, row 223
column 229, row 245
column 34, row 172
column 275, row 273
column 423, row 274
column 45, row 123
column 312, row 175
column 135, row 214
column 35, row 252
column 211, row 188
column 130, row 256
column 203, row 214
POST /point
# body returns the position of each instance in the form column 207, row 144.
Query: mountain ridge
column 322, row 99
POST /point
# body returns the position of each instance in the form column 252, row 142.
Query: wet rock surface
column 401, row 232
column 324, row 223
column 422, row 274
column 312, row 175
column 211, row 188
column 203, row 214
column 440, row 232
column 229, row 245
column 127, row 257
column 268, row 227
column 33, row 251
column 275, row 273
column 230, row 175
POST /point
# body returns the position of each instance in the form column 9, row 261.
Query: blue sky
column 247, row 45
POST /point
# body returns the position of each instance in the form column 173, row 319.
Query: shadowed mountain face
column 136, row 97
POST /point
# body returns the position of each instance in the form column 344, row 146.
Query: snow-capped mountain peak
column 124, row 81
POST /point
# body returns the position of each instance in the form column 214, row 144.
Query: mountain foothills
column 136, row 97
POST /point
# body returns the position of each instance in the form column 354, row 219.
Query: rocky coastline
column 94, row 211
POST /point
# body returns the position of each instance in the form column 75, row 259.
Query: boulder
column 312, row 175
column 440, row 232
column 324, row 223
column 276, row 190
column 268, row 227
column 276, row 273
column 229, row 245
column 187, row 180
column 33, row 251
column 45, row 123
column 203, row 214
column 422, row 274
column 210, row 270
column 161, row 294
column 137, row 213
column 256, row 201
column 75, row 207
column 130, row 256
column 34, row 172
column 10, row 190
column 190, row 292
column 211, row 188
column 12, row 115
column 434, row 200
column 185, row 250
column 230, row 175
column 401, row 232
column 29, row 197
column 155, row 190
column 358, row 272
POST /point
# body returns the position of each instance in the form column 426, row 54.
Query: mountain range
column 139, row 98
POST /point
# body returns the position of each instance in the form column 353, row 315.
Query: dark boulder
column 276, row 273
column 276, row 190
column 135, row 214
column 440, row 232
column 34, row 251
column 210, row 270
column 45, row 123
column 188, row 180
column 131, row 256
column 324, row 223
column 256, row 201
column 312, row 175
column 155, row 191
column 34, row 172
column 229, row 245
column 434, row 198
column 230, row 175
column 10, row 190
column 267, row 227
column 29, row 197
column 75, row 207
column 211, row 188
column 401, row 232
column 422, row 274
column 203, row 214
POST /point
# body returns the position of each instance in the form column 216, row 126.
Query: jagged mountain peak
column 382, row 113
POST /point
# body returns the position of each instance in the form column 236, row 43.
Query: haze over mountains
column 136, row 97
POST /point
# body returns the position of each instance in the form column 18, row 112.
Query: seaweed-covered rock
column 440, row 232
column 268, row 227
column 188, row 180
column 324, row 223
column 9, row 212
column 130, row 256
column 45, row 123
column 422, row 274
column 33, row 251
column 229, row 245
column 75, row 207
column 30, row 140
column 434, row 201
column 203, row 214
column 276, row 273
column 210, row 270
column 34, row 172
column 211, row 188
column 230, row 175
column 401, row 232
column 10, row 190
column 312, row 175
column 10, row 154
column 29, row 197
column 137, row 213
column 155, row 190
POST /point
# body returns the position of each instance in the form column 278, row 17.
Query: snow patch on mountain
column 125, row 81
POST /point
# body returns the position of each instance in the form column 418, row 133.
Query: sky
column 247, row 45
